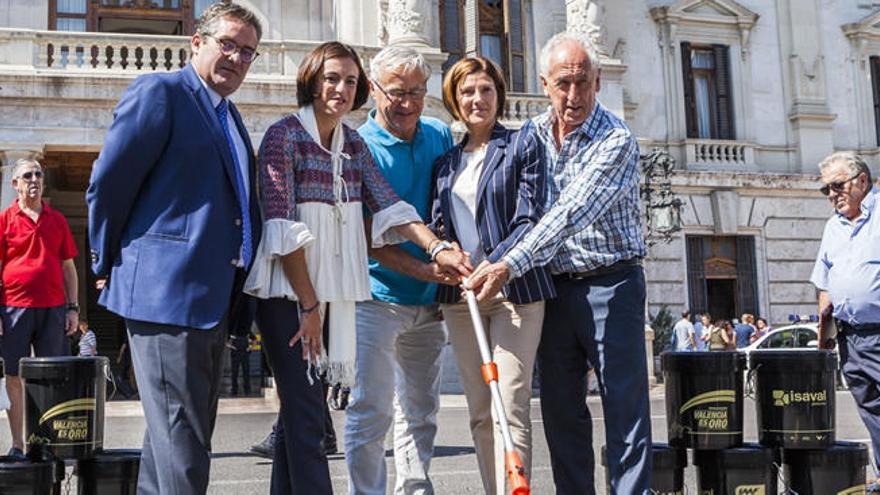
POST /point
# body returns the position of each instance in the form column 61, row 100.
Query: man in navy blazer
column 173, row 222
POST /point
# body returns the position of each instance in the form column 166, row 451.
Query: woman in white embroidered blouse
column 317, row 178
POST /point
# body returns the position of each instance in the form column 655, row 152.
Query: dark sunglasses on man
column 837, row 186
column 30, row 175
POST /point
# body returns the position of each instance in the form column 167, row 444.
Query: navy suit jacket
column 510, row 201
column 164, row 218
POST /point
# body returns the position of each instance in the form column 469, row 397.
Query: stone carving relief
column 404, row 21
column 588, row 17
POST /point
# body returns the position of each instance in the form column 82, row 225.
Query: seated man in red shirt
column 39, row 293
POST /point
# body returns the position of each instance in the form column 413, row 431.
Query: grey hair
column 22, row 163
column 564, row 37
column 209, row 21
column 854, row 163
column 396, row 57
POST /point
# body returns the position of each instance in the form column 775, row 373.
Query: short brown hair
column 464, row 68
column 311, row 69
column 207, row 23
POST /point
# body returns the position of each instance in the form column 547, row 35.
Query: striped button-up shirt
column 592, row 214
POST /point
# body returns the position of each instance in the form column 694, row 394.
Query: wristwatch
column 438, row 247
column 73, row 307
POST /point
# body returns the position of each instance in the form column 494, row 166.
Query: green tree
column 662, row 323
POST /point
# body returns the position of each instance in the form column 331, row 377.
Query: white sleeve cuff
column 399, row 213
column 280, row 237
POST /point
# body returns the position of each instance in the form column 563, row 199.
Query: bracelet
column 441, row 246
column 305, row 311
column 431, row 245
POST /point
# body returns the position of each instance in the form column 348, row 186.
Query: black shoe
column 16, row 454
column 266, row 448
column 338, row 399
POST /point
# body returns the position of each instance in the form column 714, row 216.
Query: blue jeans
column 397, row 376
column 601, row 320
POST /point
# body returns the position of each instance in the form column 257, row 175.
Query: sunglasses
column 31, row 175
column 837, row 186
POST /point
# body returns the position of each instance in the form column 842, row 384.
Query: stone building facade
column 746, row 95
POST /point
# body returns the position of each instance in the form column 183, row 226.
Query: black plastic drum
column 794, row 391
column 704, row 398
column 749, row 469
column 24, row 477
column 110, row 472
column 64, row 406
column 668, row 475
column 839, row 469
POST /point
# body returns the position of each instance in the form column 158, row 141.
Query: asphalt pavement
column 242, row 422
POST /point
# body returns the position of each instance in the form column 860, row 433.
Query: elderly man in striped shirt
column 591, row 237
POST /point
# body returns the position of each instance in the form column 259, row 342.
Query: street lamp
column 662, row 207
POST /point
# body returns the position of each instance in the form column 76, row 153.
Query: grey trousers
column 397, row 381
column 178, row 371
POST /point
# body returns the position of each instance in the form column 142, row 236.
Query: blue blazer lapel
column 494, row 156
column 209, row 115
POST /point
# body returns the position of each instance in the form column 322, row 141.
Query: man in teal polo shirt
column 399, row 334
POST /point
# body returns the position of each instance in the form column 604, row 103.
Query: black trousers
column 240, row 362
column 299, row 466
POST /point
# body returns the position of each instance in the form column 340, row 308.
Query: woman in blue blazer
column 490, row 192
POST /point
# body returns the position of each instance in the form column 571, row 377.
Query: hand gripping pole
column 516, row 473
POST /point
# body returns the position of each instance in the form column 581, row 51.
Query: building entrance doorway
column 722, row 278
column 721, row 298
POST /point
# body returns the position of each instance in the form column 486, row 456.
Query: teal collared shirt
column 408, row 167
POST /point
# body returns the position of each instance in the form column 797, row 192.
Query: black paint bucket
column 704, row 398
column 838, row 469
column 667, row 477
column 64, row 406
column 794, row 391
column 749, row 469
column 109, row 472
column 24, row 477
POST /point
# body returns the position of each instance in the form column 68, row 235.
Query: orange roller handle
column 490, row 372
column 516, row 474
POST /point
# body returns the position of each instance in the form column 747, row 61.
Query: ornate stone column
column 588, row 17
column 8, row 156
column 408, row 22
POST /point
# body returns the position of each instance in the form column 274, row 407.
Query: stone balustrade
column 95, row 55
column 520, row 107
column 112, row 53
column 711, row 153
